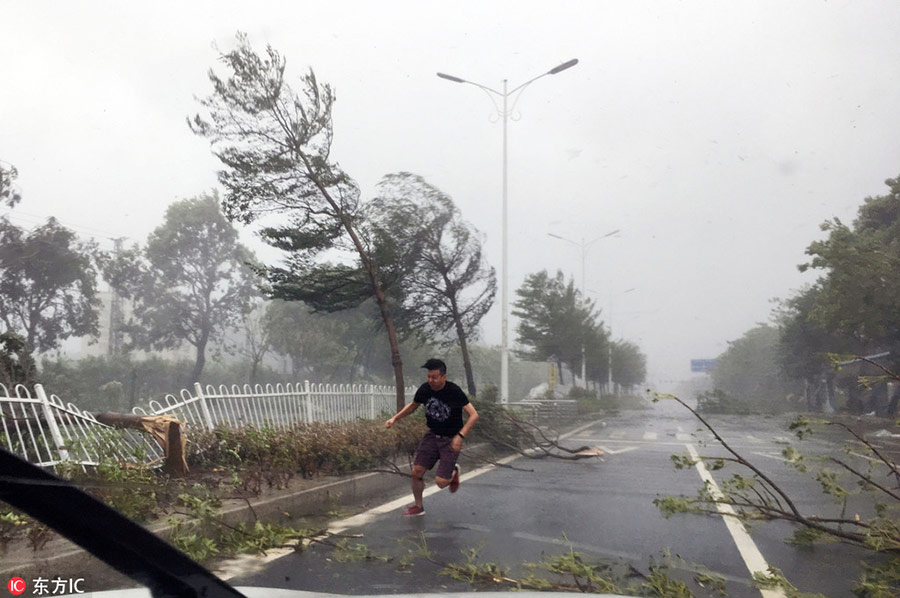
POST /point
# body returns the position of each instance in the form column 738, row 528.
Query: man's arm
column 469, row 410
column 407, row 409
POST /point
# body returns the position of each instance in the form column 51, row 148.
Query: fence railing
column 43, row 430
column 277, row 406
column 46, row 432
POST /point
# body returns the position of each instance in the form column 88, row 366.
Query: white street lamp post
column 505, row 113
column 584, row 247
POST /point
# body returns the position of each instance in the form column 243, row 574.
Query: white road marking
column 248, row 564
column 753, row 558
column 617, row 434
column 650, row 435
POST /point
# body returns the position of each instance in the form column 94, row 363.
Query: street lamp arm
column 564, row 239
column 566, row 65
column 610, row 234
column 460, row 80
column 557, row 69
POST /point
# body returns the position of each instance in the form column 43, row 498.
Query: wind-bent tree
column 597, row 353
column 275, row 145
column 449, row 287
column 48, row 285
column 805, row 346
column 748, row 370
column 555, row 321
column 629, row 365
column 859, row 292
column 191, row 283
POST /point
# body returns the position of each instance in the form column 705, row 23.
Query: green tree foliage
column 748, row 370
column 597, row 353
column 859, row 291
column 9, row 195
column 275, row 145
column 629, row 365
column 191, row 283
column 16, row 363
column 554, row 319
column 449, row 287
column 314, row 342
column 48, row 284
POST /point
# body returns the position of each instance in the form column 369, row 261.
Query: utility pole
column 116, row 311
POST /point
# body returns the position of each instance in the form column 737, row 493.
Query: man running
column 444, row 405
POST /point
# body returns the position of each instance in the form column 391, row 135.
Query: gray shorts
column 434, row 448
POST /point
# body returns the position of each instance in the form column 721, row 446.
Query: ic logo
column 16, row 586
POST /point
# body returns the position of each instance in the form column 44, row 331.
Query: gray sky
column 716, row 135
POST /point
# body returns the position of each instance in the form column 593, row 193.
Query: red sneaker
column 454, row 481
column 414, row 511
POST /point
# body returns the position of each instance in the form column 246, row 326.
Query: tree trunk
column 381, row 299
column 373, row 278
column 200, row 362
column 463, row 347
column 254, row 366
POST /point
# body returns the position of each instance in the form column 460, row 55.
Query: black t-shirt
column 443, row 408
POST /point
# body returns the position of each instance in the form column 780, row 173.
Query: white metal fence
column 278, row 406
column 44, row 431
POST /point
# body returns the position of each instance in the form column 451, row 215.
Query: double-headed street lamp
column 505, row 114
column 584, row 247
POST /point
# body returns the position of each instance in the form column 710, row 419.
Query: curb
column 63, row 559
column 68, row 560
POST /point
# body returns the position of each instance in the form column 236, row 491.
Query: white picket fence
column 46, row 432
column 276, row 406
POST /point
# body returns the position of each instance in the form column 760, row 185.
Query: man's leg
column 426, row 456
column 418, row 484
column 444, row 475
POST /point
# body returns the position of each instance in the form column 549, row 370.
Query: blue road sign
column 702, row 365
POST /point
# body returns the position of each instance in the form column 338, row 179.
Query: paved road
column 601, row 508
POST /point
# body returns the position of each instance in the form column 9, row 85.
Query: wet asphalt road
column 601, row 508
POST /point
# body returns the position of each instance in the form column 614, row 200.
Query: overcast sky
column 716, row 136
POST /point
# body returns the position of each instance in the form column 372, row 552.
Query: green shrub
column 268, row 456
column 718, row 401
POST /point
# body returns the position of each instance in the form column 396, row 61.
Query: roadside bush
column 270, row 456
column 718, row 401
column 129, row 489
column 497, row 425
